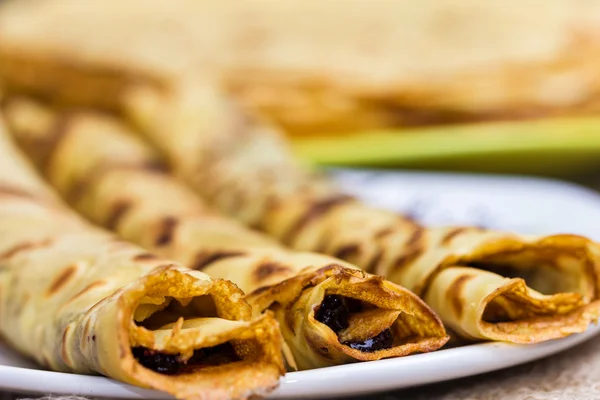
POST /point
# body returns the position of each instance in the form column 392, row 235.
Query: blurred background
column 495, row 86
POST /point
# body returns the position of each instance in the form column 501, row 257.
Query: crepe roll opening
column 513, row 306
column 483, row 305
column 554, row 264
column 365, row 326
column 170, row 309
column 172, row 337
column 336, row 315
column 346, row 317
column 543, row 278
column 173, row 313
column 181, row 328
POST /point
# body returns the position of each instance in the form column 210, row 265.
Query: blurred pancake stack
column 497, row 85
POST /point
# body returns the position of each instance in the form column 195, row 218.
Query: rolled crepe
column 519, row 288
column 329, row 311
column 77, row 299
column 322, row 66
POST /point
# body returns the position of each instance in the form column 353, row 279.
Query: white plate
column 527, row 205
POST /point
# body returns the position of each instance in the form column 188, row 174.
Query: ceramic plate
column 526, row 205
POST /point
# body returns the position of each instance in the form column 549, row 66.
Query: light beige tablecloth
column 571, row 375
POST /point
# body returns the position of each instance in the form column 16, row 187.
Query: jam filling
column 168, row 364
column 384, row 340
column 172, row 364
column 335, row 311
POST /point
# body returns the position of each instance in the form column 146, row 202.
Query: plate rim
column 450, row 364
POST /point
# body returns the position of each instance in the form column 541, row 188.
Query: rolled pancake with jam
column 521, row 288
column 329, row 311
column 76, row 299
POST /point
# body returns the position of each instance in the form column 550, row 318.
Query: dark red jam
column 384, row 340
column 167, row 364
column 334, row 312
column 171, row 364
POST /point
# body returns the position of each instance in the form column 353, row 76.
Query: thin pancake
column 106, row 163
column 76, row 299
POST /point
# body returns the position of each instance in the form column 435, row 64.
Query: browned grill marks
column 61, row 279
column 454, row 233
column 43, row 149
column 86, row 289
column 80, row 186
column 204, row 259
column 416, row 237
column 166, row 231
column 267, row 268
column 413, row 249
column 372, row 265
column 146, row 257
column 6, row 190
column 23, row 247
column 260, row 290
column 454, row 292
column 116, row 214
column 154, row 166
column 408, row 258
column 347, row 251
column 384, row 232
column 314, row 211
column 76, row 191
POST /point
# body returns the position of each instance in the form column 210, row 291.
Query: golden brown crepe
column 76, row 299
column 519, row 288
column 329, row 311
column 319, row 66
